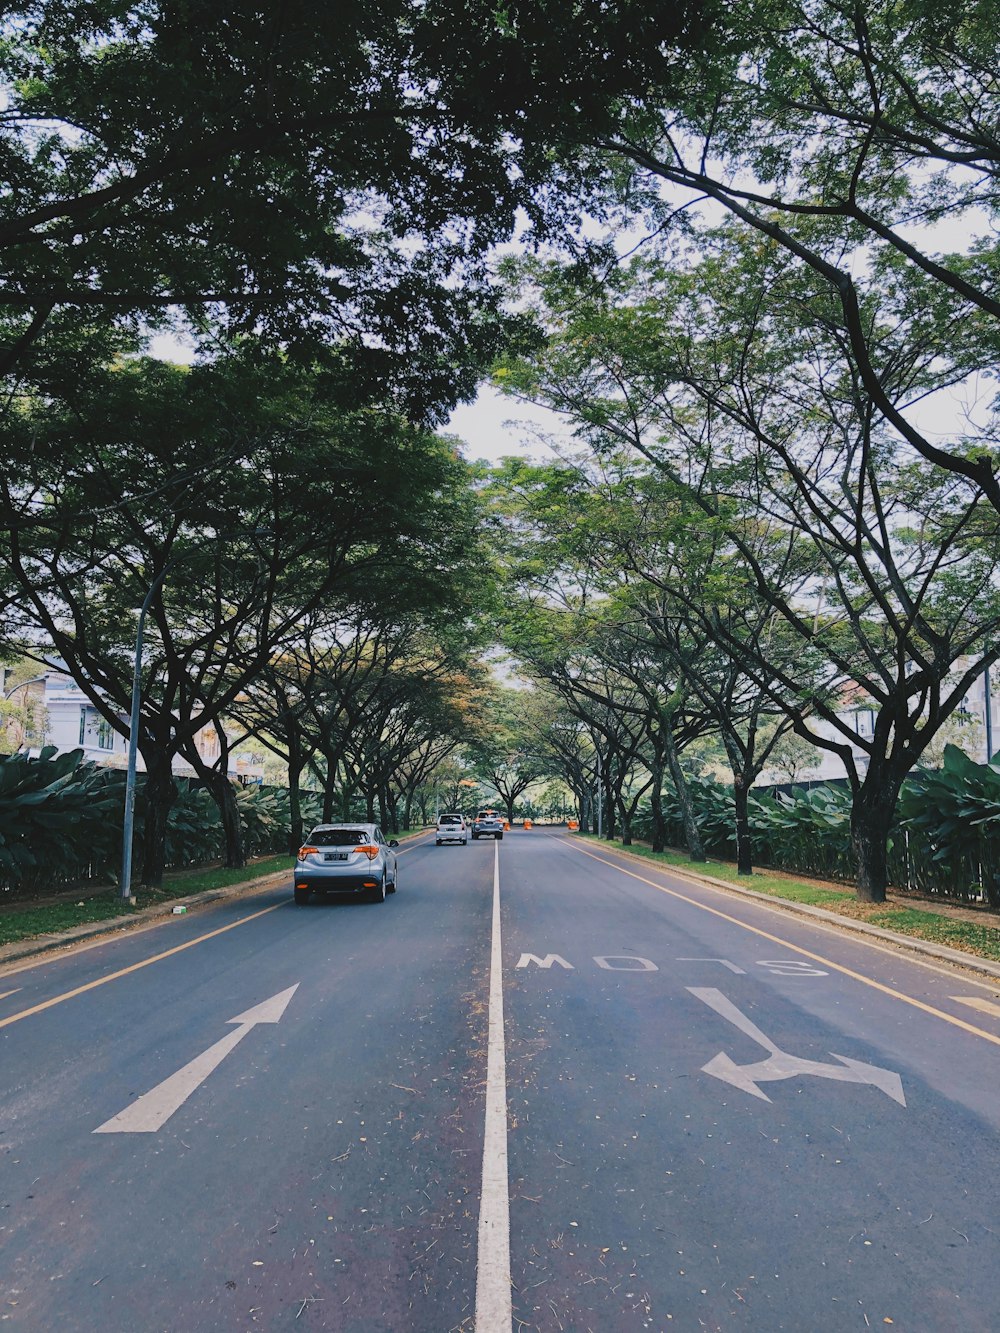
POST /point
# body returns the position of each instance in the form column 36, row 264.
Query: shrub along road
column 263, row 1115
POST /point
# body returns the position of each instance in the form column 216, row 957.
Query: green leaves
column 61, row 822
column 955, row 812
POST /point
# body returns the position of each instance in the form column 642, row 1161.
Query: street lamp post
column 125, row 883
column 988, row 714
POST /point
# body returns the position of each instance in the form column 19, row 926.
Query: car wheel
column 301, row 896
column 378, row 895
column 437, row 842
column 464, row 841
column 499, row 837
column 392, row 886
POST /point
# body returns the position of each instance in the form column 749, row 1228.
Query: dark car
column 487, row 824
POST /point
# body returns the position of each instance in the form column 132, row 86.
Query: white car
column 451, row 828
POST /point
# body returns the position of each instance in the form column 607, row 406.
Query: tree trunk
column 744, row 847
column 329, row 780
column 872, row 813
column 224, row 795
column 626, row 827
column 296, row 832
column 658, row 831
column 222, row 792
column 692, row 837
column 159, row 794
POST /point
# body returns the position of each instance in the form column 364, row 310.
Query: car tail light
column 307, row 851
column 370, row 850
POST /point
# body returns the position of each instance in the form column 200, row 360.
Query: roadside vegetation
column 47, row 915
column 746, row 255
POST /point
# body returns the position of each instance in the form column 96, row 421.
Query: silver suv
column 451, row 828
column 487, row 824
column 346, row 858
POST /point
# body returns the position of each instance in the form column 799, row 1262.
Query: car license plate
column 335, row 856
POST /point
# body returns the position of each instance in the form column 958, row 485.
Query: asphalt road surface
column 543, row 1087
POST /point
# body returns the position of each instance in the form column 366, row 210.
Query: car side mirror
column 393, row 842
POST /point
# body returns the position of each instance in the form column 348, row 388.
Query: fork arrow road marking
column 150, row 1111
column 780, row 1064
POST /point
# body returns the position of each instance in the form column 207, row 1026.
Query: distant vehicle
column 451, row 828
column 354, row 859
column 487, row 824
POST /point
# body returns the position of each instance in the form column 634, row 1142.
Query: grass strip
column 27, row 920
column 981, row 939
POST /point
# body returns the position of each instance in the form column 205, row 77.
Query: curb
column 10, row 953
column 39, row 944
column 941, row 952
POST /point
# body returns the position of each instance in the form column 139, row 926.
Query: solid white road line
column 493, row 1302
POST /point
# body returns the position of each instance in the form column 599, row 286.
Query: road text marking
column 153, row 1109
column 724, row 961
column 796, row 948
column 779, row 1064
column 547, row 961
column 974, row 1002
column 493, row 1299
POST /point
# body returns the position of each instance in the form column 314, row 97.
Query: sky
column 494, row 426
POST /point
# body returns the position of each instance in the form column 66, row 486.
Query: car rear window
column 338, row 837
column 450, row 819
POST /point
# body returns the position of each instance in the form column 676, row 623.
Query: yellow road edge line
column 74, row 947
column 796, row 948
column 135, row 967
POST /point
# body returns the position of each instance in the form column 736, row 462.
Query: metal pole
column 125, row 883
column 988, row 709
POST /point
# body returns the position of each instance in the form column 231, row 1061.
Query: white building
column 51, row 709
column 974, row 727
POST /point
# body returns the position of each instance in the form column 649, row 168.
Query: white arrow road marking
column 974, row 1002
column 154, row 1108
column 780, row 1064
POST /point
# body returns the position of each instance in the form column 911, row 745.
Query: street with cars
column 543, row 1086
